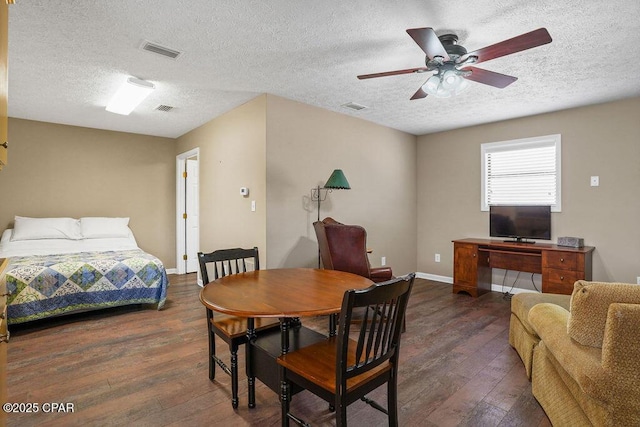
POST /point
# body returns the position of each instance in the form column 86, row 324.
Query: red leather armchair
column 344, row 247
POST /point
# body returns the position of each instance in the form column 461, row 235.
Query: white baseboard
column 175, row 271
column 427, row 276
column 494, row 287
column 434, row 277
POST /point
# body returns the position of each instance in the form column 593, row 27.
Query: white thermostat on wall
column 244, row 191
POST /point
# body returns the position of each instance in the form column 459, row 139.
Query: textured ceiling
column 66, row 58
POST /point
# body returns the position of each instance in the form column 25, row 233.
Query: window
column 522, row 172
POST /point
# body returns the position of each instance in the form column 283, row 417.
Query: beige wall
column 596, row 140
column 280, row 149
column 304, row 145
column 58, row 170
column 232, row 155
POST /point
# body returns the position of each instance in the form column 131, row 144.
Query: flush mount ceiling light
column 129, row 96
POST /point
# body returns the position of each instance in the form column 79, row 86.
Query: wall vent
column 164, row 108
column 354, row 106
column 160, row 50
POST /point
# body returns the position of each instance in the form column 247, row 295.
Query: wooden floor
column 149, row 368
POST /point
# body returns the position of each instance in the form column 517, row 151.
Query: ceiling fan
column 451, row 64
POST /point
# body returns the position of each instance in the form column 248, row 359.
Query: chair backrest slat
column 226, row 261
column 378, row 340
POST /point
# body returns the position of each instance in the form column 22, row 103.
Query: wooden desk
column 286, row 294
column 560, row 266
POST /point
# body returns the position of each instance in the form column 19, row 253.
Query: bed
column 61, row 266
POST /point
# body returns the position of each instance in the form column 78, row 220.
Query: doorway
column 187, row 211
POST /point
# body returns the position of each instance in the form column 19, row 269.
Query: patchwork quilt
column 50, row 285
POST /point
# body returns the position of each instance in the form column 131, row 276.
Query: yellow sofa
column 522, row 337
column 586, row 367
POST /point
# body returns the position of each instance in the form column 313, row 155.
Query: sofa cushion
column 589, row 306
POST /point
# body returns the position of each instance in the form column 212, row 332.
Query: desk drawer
column 559, row 281
column 519, row 261
column 561, row 260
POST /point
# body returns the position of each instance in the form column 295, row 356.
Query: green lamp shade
column 337, row 180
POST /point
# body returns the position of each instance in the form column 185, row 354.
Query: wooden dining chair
column 231, row 329
column 342, row 370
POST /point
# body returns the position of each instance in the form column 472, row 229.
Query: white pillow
column 25, row 228
column 100, row 227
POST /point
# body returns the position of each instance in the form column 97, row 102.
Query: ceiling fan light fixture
column 431, row 85
column 450, row 80
column 454, row 82
column 445, row 85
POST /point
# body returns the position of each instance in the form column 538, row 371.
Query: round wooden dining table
column 287, row 294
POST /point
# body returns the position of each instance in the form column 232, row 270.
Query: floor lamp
column 337, row 181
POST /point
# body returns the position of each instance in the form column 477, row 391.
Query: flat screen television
column 520, row 223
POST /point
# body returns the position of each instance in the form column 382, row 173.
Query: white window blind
column 522, row 172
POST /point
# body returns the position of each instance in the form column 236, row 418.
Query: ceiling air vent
column 160, row 50
column 164, row 108
column 354, row 106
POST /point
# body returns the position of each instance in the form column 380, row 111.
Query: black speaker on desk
column 573, row 242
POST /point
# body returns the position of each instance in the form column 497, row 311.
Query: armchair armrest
column 381, row 274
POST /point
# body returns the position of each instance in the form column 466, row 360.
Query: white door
column 192, row 233
column 187, row 212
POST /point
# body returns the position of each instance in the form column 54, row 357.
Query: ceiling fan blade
column 490, row 78
column 393, row 73
column 428, row 42
column 419, row 94
column 517, row 44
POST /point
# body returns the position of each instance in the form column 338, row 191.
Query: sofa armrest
column 583, row 363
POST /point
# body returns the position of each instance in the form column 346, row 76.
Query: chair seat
column 317, row 363
column 236, row 327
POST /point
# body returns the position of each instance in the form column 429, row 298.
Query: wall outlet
column 383, row 262
column 638, row 280
column 437, row 257
column 595, row 181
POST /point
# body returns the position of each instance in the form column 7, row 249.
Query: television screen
column 520, row 222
